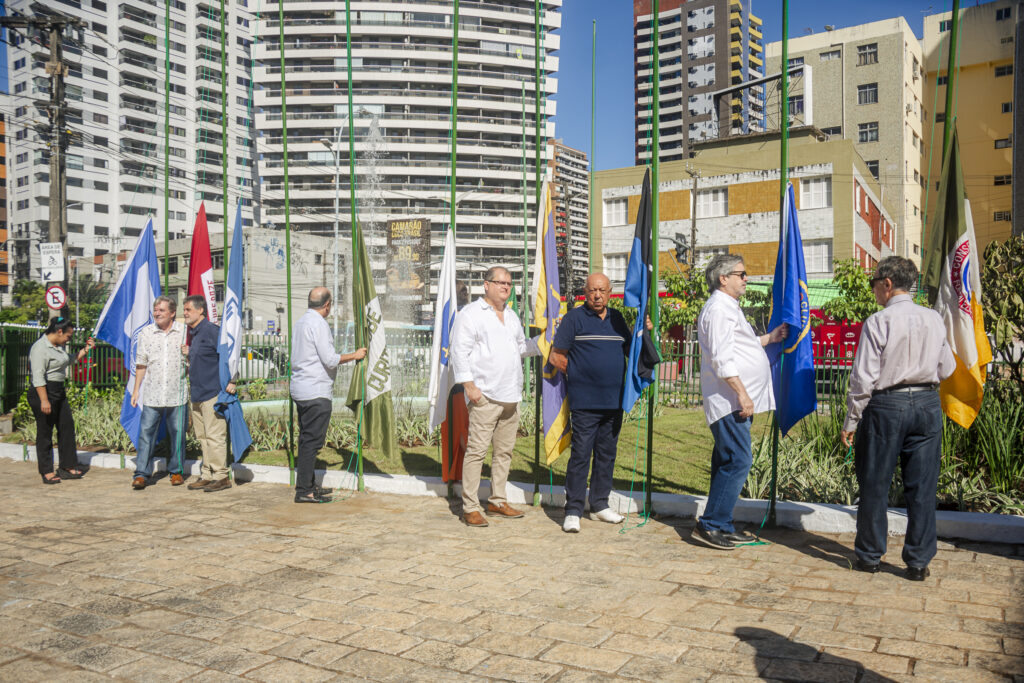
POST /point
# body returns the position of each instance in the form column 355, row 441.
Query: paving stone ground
column 98, row 581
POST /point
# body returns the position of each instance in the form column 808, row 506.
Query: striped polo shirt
column 597, row 351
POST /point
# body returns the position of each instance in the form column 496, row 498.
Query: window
column 815, row 193
column 615, row 266
column 98, row 141
column 818, row 256
column 1004, row 70
column 796, row 105
column 99, row 27
column 20, row 111
column 834, row 131
column 830, row 55
column 711, row 203
column 99, row 4
column 1001, row 216
column 615, row 211
column 796, row 61
column 940, row 117
column 1003, row 13
column 872, row 168
column 867, row 93
column 99, row 73
column 1007, row 107
column 1006, row 40
column 20, row 87
column 21, row 134
column 99, row 50
column 22, row 203
column 942, row 80
column 1003, row 143
column 19, row 63
column 1003, row 180
column 867, row 54
column 21, row 158
column 23, row 181
column 101, row 208
column 100, row 118
column 100, row 95
column 945, row 25
column 867, row 132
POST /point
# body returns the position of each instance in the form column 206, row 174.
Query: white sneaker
column 608, row 515
column 571, row 525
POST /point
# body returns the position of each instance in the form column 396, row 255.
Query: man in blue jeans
column 895, row 409
column 163, row 395
column 736, row 382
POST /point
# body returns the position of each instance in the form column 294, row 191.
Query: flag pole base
column 536, row 499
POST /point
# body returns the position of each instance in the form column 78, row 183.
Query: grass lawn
column 682, row 456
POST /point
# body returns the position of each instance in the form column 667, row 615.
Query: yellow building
column 983, row 104
column 840, row 207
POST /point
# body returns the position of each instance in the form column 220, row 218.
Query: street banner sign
column 56, row 297
column 51, row 256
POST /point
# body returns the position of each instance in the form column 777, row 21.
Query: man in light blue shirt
column 314, row 367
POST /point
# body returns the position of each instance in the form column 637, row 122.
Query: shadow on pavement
column 791, row 661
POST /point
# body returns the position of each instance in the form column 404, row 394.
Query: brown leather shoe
column 474, row 518
column 139, row 483
column 503, row 510
column 177, row 480
column 218, row 485
column 199, row 484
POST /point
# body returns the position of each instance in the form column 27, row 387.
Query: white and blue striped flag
column 128, row 310
column 441, row 374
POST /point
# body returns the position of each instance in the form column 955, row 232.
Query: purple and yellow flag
column 547, row 313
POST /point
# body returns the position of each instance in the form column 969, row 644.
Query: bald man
column 314, row 367
column 590, row 347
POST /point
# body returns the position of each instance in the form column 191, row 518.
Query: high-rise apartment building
column 402, row 74
column 985, row 99
column 570, row 179
column 703, row 47
column 115, row 87
column 867, row 87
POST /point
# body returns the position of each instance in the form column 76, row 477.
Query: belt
column 905, row 388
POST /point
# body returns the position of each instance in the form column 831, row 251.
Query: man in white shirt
column 488, row 346
column 736, row 382
column 314, row 367
column 902, row 356
column 164, row 395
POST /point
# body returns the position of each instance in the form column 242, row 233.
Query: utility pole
column 57, row 70
column 695, row 176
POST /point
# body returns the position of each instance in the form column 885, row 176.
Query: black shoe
column 66, row 474
column 917, row 573
column 737, row 537
column 869, row 567
column 323, row 492
column 314, row 497
column 712, row 538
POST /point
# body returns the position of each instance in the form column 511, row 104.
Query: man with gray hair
column 487, row 348
column 736, row 382
column 161, row 388
column 894, row 406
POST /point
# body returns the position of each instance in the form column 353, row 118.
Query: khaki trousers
column 490, row 423
column 211, row 431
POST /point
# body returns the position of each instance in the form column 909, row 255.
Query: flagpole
column 287, row 237
column 167, row 145
column 539, row 367
column 357, row 262
column 224, row 183
column 453, row 178
column 590, row 190
column 954, row 35
column 652, row 395
column 526, row 227
column 783, row 181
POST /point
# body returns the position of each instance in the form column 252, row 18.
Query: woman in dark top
column 48, row 363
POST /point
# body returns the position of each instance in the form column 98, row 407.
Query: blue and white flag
column 441, row 375
column 128, row 310
column 230, row 346
column 643, row 354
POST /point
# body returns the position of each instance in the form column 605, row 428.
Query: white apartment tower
column 570, row 177
column 116, row 85
column 402, row 76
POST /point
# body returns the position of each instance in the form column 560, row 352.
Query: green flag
column 512, row 303
column 371, row 381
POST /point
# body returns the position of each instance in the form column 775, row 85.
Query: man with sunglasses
column 736, row 382
column 487, row 348
column 895, row 409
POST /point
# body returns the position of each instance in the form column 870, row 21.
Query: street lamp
column 336, row 150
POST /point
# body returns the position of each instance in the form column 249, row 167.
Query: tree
column 29, row 304
column 1002, row 298
column 855, row 301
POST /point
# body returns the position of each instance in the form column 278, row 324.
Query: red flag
column 200, row 266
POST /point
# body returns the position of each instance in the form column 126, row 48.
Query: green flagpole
column 783, row 179
column 652, row 395
column 352, row 211
column 287, row 237
column 593, row 108
column 451, row 204
column 538, row 415
column 526, row 229
column 954, row 35
column 167, row 146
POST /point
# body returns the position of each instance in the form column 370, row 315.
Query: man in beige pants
column 487, row 349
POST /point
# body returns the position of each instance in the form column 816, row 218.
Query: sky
column 614, row 109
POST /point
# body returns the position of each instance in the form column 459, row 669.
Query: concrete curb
column 815, row 517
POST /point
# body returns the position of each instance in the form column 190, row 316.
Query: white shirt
column 489, row 352
column 729, row 348
column 314, row 360
column 164, row 384
column 901, row 344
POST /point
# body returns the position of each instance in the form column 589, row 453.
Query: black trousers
column 905, row 429
column 595, row 438
column 314, row 418
column 59, row 417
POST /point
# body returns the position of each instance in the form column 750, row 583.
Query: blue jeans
column 903, row 427
column 593, row 432
column 730, row 465
column 149, row 428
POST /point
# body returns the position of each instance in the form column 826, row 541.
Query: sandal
column 69, row 474
column 50, row 480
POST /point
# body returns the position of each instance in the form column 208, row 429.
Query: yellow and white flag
column 952, row 274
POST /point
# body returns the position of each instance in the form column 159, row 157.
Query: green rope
column 645, row 514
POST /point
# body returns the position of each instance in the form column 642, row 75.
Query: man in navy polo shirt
column 590, row 347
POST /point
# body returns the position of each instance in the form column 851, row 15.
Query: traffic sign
column 51, row 255
column 56, row 297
